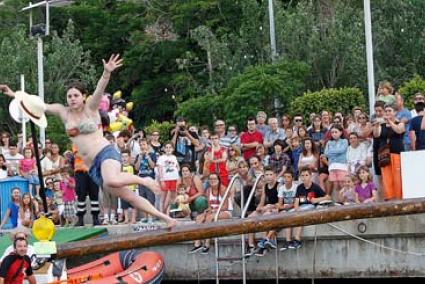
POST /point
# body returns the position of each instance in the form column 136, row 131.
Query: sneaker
column 195, row 249
column 285, row 246
column 113, row 222
column 250, row 251
column 261, row 252
column 295, row 244
column 105, row 222
column 261, row 243
column 270, row 244
column 205, row 250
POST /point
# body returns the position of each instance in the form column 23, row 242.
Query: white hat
column 32, row 106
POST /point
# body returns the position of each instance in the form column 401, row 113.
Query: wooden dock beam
column 242, row 226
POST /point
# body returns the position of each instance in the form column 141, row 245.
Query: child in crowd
column 181, row 202
column 336, row 154
column 144, row 165
column 58, row 197
column 365, row 187
column 26, row 211
column 286, row 194
column 128, row 168
column 67, row 186
column 347, row 195
column 27, row 168
column 53, row 210
column 269, row 204
column 12, row 210
column 168, row 175
column 296, row 150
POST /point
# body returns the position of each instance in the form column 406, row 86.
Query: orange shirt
column 79, row 165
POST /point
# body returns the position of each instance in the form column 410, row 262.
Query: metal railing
column 244, row 207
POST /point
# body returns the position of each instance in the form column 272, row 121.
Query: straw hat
column 32, row 106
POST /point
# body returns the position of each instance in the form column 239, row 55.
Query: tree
column 64, row 59
column 253, row 90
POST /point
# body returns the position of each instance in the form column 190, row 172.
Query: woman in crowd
column 3, row 167
column 12, row 210
column 336, row 154
column 26, row 211
column 310, row 158
column 83, row 125
column 4, row 143
column 233, row 159
column 317, row 133
column 261, row 153
column 390, row 132
column 364, row 130
column 194, row 188
column 215, row 195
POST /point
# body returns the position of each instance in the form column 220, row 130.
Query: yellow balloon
column 117, row 95
column 129, row 106
column 43, row 229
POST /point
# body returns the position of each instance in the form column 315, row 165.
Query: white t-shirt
column 12, row 162
column 168, row 167
column 357, row 157
column 47, row 165
column 288, row 194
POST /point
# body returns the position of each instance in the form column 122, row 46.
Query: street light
column 39, row 31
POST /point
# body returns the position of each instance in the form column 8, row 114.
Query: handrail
column 232, row 181
column 251, row 194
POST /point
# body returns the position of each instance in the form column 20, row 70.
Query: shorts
column 147, row 194
column 337, row 175
column 69, row 210
column 109, row 201
column 125, row 205
column 33, row 179
column 169, row 185
column 107, row 153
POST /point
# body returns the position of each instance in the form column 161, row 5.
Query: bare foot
column 170, row 223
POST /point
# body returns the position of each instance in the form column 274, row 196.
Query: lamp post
column 39, row 31
column 272, row 31
column 369, row 54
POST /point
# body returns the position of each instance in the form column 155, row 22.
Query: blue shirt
column 145, row 169
column 14, row 212
column 406, row 115
column 415, row 125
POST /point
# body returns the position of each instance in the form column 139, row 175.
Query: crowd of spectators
column 304, row 161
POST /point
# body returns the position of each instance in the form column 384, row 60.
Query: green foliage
column 56, row 132
column 202, row 110
column 338, row 100
column 410, row 88
column 249, row 92
column 164, row 129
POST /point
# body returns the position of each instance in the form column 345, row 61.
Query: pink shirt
column 27, row 165
column 68, row 189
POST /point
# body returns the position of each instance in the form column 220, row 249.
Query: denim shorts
column 107, row 153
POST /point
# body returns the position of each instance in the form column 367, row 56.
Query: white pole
column 272, row 31
column 40, row 81
column 369, row 55
column 24, row 124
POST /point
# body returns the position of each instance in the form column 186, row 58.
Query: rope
column 376, row 244
column 314, row 255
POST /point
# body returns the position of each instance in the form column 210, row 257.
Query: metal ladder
column 244, row 209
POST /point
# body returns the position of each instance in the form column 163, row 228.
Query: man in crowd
column 403, row 115
column 17, row 266
column 261, row 126
column 12, row 159
column 273, row 134
column 250, row 139
column 185, row 142
column 419, row 97
column 417, row 135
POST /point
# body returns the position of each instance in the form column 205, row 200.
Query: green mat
column 62, row 235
